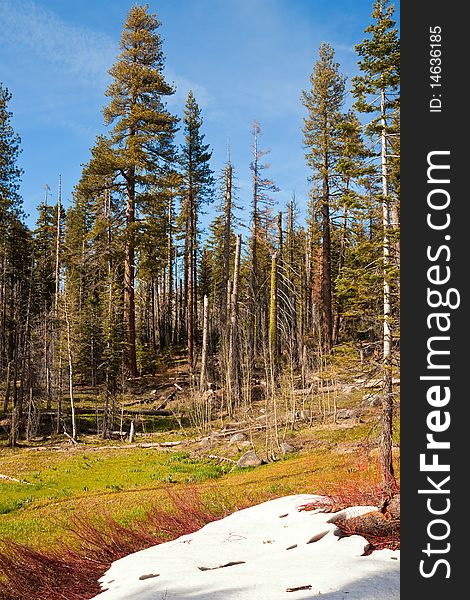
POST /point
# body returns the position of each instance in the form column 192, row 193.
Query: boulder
column 305, row 415
column 238, row 437
column 249, row 459
column 372, row 399
column 287, row 448
column 346, row 413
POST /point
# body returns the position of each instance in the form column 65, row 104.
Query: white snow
column 274, row 541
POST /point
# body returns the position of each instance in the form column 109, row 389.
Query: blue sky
column 243, row 59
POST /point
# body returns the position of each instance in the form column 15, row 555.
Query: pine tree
column 44, row 243
column 197, row 189
column 140, row 143
column 152, row 245
column 10, row 212
column 353, row 167
column 16, row 283
column 227, row 238
column 157, row 259
column 261, row 244
column 222, row 242
column 84, row 271
column 379, row 59
column 322, row 140
column 44, row 249
column 10, row 172
column 294, row 260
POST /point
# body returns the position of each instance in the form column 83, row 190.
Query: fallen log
column 8, row 478
column 380, row 528
column 93, row 411
column 374, row 383
column 220, row 458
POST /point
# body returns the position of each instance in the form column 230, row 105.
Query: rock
column 287, row 448
column 249, row 459
column 237, row 437
column 372, row 400
column 346, row 413
column 305, row 415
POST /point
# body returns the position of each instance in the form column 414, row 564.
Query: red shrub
column 72, row 573
column 365, row 489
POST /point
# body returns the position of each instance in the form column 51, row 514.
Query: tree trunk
column 234, row 352
column 326, row 308
column 132, row 432
column 225, row 298
column 273, row 333
column 342, row 249
column 281, row 288
column 254, row 255
column 388, row 477
column 6, row 399
column 292, row 297
column 205, row 345
column 70, row 361
column 169, row 303
column 57, row 249
column 190, row 299
column 129, row 275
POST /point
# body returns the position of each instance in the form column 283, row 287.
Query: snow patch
column 270, row 551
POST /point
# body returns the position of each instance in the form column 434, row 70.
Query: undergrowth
column 72, row 571
column 362, row 492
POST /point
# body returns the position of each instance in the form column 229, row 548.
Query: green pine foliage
column 116, row 283
column 323, row 141
column 10, row 172
column 198, row 180
column 44, row 249
column 379, row 62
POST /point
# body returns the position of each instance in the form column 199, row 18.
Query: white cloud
column 85, row 53
column 28, row 26
column 182, row 86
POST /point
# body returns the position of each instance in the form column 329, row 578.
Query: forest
column 117, row 309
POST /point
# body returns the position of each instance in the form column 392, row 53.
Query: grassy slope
column 128, row 482
column 96, row 478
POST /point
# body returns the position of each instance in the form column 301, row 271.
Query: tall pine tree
column 15, row 275
column 140, row 143
column 322, row 141
column 197, row 189
column 379, row 62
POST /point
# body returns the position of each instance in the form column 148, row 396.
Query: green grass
column 51, row 478
column 100, row 477
column 362, row 432
column 54, row 475
column 129, row 481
